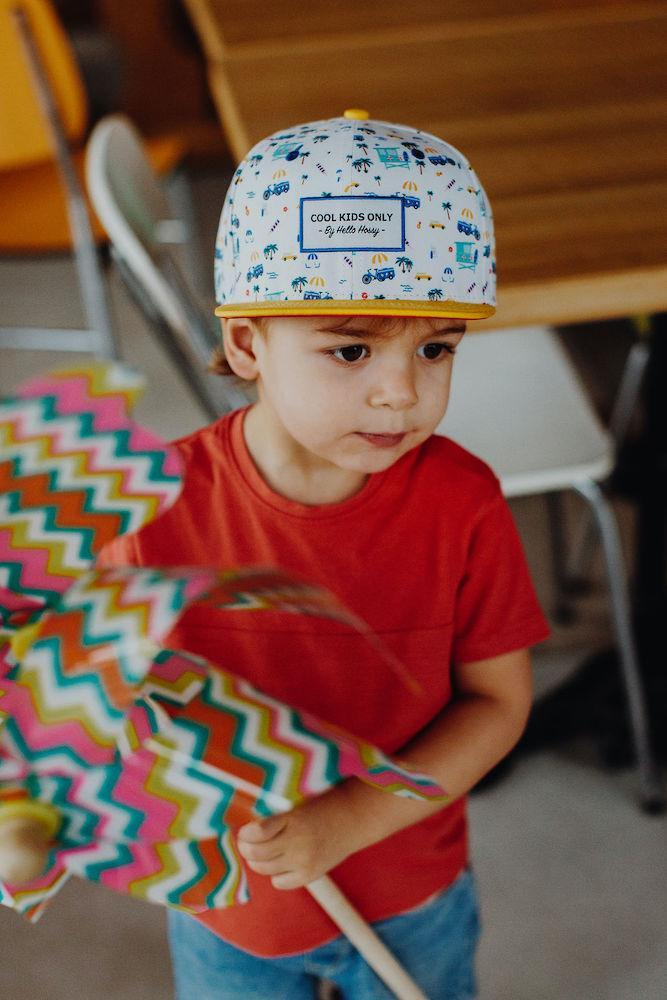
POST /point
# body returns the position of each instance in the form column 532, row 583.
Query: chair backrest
column 518, row 403
column 24, row 138
column 132, row 206
column 136, row 214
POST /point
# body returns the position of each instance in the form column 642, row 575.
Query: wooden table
column 561, row 109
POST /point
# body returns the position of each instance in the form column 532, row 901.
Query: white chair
column 142, row 229
column 517, row 403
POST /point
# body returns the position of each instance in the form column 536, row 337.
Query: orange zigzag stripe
column 35, row 493
column 80, row 459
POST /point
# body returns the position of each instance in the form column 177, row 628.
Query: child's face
column 357, row 392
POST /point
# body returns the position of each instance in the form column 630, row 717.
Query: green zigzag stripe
column 14, row 570
column 332, row 772
column 80, row 816
column 121, row 436
column 200, row 734
column 234, row 883
column 240, row 730
column 94, row 870
column 135, row 817
column 89, row 680
column 154, row 458
column 44, row 753
column 160, row 783
column 76, row 600
column 174, row 896
column 51, row 511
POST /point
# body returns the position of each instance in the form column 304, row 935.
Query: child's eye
column 434, row 351
column 350, row 354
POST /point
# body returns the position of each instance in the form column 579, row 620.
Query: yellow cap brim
column 446, row 309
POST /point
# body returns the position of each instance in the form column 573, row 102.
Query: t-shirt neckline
column 260, row 488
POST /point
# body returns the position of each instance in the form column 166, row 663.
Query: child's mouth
column 383, row 440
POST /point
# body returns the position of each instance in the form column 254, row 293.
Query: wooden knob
column 26, row 833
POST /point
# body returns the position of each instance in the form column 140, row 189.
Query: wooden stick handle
column 364, row 939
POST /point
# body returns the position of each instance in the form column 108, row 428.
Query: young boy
column 350, row 255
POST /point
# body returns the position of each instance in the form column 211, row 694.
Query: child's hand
column 297, row 847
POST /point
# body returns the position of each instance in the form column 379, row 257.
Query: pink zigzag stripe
column 198, row 582
column 139, row 439
column 201, row 580
column 138, row 720
column 172, row 669
column 73, row 396
column 17, row 602
column 282, row 736
column 352, row 763
column 19, row 704
column 146, row 862
column 109, row 412
column 35, row 572
column 159, row 813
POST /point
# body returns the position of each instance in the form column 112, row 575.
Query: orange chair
column 43, row 205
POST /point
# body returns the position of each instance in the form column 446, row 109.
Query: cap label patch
column 355, row 222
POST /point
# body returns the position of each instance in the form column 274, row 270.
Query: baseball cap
column 350, row 215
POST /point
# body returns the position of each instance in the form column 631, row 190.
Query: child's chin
column 376, row 462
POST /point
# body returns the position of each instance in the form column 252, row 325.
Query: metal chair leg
column 625, row 405
column 191, row 368
column 563, row 610
column 101, row 336
column 652, row 795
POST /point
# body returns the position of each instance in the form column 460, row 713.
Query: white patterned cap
column 350, row 215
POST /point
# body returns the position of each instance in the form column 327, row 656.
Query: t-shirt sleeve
column 497, row 610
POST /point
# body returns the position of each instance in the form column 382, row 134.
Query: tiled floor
column 573, row 877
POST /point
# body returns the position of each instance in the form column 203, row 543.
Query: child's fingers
column 274, row 867
column 265, row 851
column 288, row 880
column 260, row 830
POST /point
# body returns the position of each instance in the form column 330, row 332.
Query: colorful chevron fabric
column 156, row 824
column 267, row 750
column 151, row 759
column 66, row 696
column 75, row 472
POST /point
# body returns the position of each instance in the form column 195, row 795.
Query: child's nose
column 394, row 388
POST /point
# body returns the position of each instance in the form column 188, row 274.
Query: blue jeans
column 435, row 942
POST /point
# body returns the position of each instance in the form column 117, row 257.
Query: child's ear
column 239, row 336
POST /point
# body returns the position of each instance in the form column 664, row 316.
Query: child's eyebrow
column 344, row 331
column 458, row 328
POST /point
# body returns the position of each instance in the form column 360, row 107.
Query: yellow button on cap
column 357, row 113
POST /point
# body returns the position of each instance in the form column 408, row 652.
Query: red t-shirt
column 427, row 553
